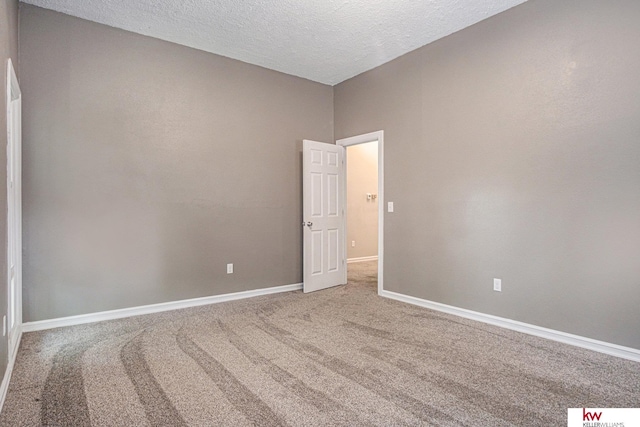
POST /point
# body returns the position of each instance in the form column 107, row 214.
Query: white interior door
column 14, row 209
column 323, row 216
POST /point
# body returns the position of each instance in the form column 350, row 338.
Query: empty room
column 320, row 213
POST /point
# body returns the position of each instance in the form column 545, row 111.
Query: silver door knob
column 309, row 224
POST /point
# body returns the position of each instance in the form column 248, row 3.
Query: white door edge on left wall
column 13, row 320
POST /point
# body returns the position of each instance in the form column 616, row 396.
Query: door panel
column 323, row 215
column 333, row 250
column 316, row 247
column 316, row 195
column 333, row 193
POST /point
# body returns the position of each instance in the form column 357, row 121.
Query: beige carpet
column 342, row 356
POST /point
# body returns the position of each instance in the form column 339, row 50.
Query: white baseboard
column 4, row 387
column 362, row 259
column 563, row 337
column 152, row 308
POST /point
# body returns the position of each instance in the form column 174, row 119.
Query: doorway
column 364, row 203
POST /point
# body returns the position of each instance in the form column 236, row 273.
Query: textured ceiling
column 327, row 41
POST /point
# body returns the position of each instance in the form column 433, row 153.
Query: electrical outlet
column 229, row 268
column 353, row 243
column 497, row 285
column 390, row 207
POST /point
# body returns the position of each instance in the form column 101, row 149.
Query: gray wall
column 362, row 213
column 148, row 166
column 512, row 151
column 8, row 49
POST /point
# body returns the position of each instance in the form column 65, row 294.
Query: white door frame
column 14, row 210
column 377, row 136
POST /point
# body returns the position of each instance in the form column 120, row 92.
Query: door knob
column 309, row 224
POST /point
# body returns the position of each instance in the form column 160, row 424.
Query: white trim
column 551, row 334
column 362, row 259
column 13, row 88
column 4, row 387
column 152, row 308
column 361, row 139
column 14, row 209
